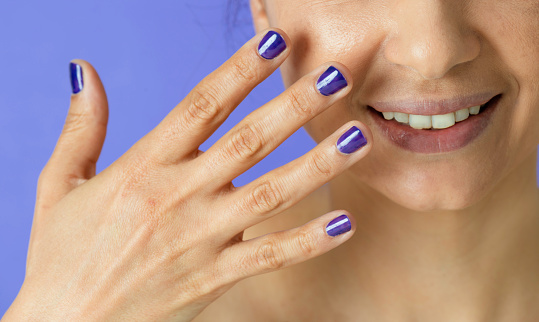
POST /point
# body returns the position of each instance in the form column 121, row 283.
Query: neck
column 455, row 265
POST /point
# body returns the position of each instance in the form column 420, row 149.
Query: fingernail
column 76, row 77
column 351, row 141
column 331, row 81
column 338, row 226
column 271, row 45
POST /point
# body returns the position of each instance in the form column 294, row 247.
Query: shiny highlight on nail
column 331, row 81
column 339, row 225
column 351, row 141
column 272, row 45
column 77, row 83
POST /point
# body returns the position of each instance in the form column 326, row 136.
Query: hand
column 158, row 235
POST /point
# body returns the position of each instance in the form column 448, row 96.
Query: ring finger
column 283, row 187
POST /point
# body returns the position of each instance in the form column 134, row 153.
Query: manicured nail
column 76, row 77
column 331, row 81
column 271, row 45
column 351, row 141
column 338, row 226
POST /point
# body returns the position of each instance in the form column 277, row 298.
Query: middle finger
column 267, row 127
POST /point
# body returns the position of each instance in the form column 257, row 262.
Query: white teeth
column 475, row 109
column 401, row 117
column 388, row 115
column 461, row 115
column 433, row 121
column 443, row 121
column 420, row 121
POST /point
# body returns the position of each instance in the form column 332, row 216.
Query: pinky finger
column 281, row 249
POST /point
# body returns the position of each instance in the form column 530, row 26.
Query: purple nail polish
column 331, row 81
column 338, row 226
column 75, row 71
column 351, row 141
column 271, row 45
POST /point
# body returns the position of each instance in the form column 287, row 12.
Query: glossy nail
column 338, row 226
column 351, row 141
column 76, row 77
column 271, row 45
column 331, row 81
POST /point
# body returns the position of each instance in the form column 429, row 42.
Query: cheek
column 352, row 35
column 330, row 32
column 515, row 41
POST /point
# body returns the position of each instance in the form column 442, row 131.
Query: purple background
column 148, row 57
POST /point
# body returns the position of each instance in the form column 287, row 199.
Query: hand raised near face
column 158, row 235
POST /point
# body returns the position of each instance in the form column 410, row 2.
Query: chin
column 425, row 189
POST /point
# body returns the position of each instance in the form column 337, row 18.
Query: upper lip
column 429, row 106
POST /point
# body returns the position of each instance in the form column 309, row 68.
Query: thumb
column 74, row 158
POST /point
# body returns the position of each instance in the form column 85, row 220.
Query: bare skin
column 158, row 235
column 449, row 238
column 435, row 237
column 446, row 268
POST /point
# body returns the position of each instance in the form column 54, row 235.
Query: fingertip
column 273, row 44
column 76, row 77
column 87, row 118
column 347, row 74
column 90, row 77
column 339, row 222
column 332, row 81
column 348, row 140
column 283, row 34
column 367, row 133
column 81, row 62
column 87, row 89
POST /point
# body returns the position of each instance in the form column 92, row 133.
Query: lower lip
column 438, row 140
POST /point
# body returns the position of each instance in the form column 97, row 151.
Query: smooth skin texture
column 158, row 235
column 448, row 237
column 440, row 237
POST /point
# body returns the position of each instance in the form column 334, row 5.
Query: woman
column 425, row 113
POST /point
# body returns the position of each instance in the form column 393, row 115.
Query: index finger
column 208, row 105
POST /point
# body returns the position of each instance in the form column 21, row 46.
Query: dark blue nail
column 338, row 226
column 351, row 141
column 331, row 81
column 76, row 77
column 271, row 45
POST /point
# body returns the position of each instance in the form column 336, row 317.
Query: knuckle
column 320, row 164
column 198, row 287
column 134, row 174
column 75, row 121
column 203, row 104
column 269, row 256
column 306, row 242
column 244, row 69
column 298, row 103
column 266, row 197
column 244, row 143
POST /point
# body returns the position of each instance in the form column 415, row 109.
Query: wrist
column 26, row 308
column 17, row 311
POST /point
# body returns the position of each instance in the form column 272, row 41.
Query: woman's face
column 417, row 51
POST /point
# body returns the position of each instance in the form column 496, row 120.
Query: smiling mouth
column 435, row 141
column 436, row 122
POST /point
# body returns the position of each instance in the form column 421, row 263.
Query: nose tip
column 430, row 41
column 431, row 58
